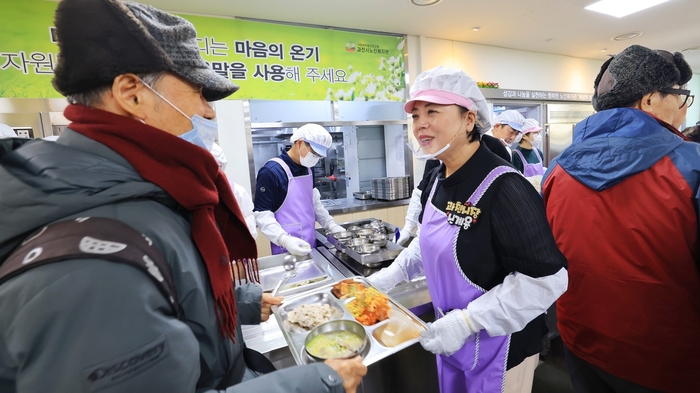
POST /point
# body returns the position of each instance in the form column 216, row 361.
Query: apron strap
column 490, row 178
column 522, row 157
column 284, row 166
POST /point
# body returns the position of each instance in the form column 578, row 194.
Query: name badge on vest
column 462, row 215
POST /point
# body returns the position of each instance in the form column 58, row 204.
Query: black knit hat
column 102, row 39
column 635, row 72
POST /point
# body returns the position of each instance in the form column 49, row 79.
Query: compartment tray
column 375, row 350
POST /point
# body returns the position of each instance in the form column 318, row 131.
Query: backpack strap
column 93, row 237
column 111, row 240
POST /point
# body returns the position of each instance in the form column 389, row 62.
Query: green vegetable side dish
column 334, row 345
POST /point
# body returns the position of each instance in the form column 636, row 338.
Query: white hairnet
column 512, row 118
column 447, row 86
column 317, row 136
column 531, row 125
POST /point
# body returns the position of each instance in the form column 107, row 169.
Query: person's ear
column 646, row 102
column 131, row 96
column 469, row 119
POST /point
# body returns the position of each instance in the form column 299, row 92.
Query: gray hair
column 93, row 98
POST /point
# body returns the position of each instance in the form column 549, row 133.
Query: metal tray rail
column 373, row 352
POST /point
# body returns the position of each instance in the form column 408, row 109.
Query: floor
column 551, row 375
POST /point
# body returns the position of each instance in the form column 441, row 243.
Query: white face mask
column 418, row 151
column 537, row 142
column 203, row 130
column 309, row 160
column 517, row 140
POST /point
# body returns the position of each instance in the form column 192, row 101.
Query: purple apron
column 296, row 215
column 480, row 365
column 531, row 169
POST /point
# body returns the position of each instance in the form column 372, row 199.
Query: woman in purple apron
column 490, row 260
column 526, row 157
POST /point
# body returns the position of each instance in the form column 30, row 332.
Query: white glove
column 404, row 236
column 294, row 245
column 412, row 213
column 448, row 334
column 337, row 228
column 387, row 278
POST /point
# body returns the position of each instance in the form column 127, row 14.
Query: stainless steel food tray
column 309, row 275
column 374, row 351
column 386, row 253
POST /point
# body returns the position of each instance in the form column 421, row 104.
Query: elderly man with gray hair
column 622, row 201
column 118, row 241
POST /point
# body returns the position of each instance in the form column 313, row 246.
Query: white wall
column 693, row 115
column 512, row 69
column 232, row 138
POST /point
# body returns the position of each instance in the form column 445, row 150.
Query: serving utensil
column 290, row 265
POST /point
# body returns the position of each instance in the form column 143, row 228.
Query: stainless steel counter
column 350, row 204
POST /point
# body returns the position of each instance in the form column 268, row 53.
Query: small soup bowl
column 335, row 327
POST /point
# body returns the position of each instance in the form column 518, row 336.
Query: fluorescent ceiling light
column 424, row 3
column 620, row 8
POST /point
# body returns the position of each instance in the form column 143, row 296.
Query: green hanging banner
column 269, row 61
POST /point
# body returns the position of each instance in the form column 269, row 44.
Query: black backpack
column 112, row 240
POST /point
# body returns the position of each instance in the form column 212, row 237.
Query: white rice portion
column 311, row 315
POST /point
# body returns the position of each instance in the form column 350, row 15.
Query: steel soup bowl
column 379, row 239
column 343, row 235
column 337, row 325
column 365, row 232
column 356, row 242
column 367, row 248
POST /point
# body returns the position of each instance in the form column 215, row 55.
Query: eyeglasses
column 308, row 147
column 682, row 93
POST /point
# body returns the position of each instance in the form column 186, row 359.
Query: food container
column 387, row 252
column 378, row 239
column 377, row 225
column 374, row 349
column 392, row 188
column 356, row 242
column 362, row 195
column 334, row 327
column 345, row 235
column 365, row 232
column 367, row 248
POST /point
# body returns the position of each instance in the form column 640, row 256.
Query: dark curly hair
column 693, row 132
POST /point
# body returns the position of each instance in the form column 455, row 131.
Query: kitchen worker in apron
column 287, row 206
column 500, row 269
column 507, row 127
column 414, row 205
column 527, row 158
